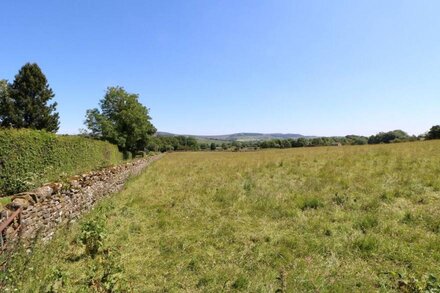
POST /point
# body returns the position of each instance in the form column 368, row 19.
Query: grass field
column 336, row 219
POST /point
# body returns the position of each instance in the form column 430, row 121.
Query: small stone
column 43, row 192
column 56, row 187
column 17, row 203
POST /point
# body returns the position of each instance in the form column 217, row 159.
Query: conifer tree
column 24, row 103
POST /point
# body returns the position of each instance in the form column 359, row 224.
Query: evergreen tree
column 24, row 103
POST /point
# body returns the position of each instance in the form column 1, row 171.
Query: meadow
column 324, row 219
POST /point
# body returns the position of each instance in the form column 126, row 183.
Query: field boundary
column 38, row 213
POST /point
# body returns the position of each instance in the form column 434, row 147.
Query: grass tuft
column 310, row 203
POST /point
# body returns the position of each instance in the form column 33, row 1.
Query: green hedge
column 29, row 158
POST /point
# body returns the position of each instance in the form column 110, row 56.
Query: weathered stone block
column 17, row 203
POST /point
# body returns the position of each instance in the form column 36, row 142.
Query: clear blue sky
column 216, row 67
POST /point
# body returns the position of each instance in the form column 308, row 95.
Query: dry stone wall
column 44, row 209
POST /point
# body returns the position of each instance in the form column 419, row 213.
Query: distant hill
column 244, row 136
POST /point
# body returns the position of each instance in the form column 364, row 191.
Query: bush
column 29, row 158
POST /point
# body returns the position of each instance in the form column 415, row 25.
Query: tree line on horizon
column 122, row 120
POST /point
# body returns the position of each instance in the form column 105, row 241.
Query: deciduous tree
column 122, row 120
column 434, row 132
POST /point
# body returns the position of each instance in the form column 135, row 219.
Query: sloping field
column 343, row 219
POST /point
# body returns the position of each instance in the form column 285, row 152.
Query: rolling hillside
column 242, row 136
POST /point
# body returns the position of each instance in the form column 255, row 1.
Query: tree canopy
column 24, row 103
column 174, row 143
column 122, row 120
column 434, row 132
column 387, row 137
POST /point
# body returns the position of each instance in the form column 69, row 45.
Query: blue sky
column 216, row 67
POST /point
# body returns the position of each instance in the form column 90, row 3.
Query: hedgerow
column 29, row 158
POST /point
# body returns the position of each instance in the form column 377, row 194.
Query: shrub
column 29, row 158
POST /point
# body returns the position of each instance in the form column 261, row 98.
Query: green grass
column 4, row 201
column 316, row 219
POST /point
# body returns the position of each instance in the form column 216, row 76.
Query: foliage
column 387, row 137
column 23, row 104
column 106, row 274
column 434, row 132
column 383, row 137
column 173, row 143
column 356, row 140
column 92, row 236
column 56, row 281
column 127, row 155
column 160, row 143
column 309, row 142
column 411, row 284
column 122, row 120
column 6, row 103
column 99, row 268
column 29, row 158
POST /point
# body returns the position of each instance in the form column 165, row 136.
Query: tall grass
column 318, row 219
